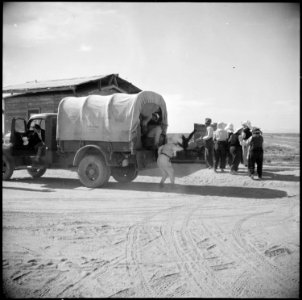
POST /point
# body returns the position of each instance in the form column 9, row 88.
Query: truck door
column 50, row 138
column 18, row 130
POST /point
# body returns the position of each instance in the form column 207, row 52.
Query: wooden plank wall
column 18, row 106
column 47, row 102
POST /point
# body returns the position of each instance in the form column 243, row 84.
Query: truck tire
column 124, row 174
column 93, row 171
column 36, row 173
column 7, row 168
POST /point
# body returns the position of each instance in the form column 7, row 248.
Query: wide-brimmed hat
column 208, row 121
column 229, row 127
column 256, row 130
column 247, row 124
column 221, row 125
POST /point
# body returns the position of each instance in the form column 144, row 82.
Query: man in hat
column 230, row 130
column 245, row 135
column 255, row 153
column 209, row 143
column 165, row 154
column 220, row 138
column 151, row 131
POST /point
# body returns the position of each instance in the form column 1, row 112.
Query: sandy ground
column 211, row 235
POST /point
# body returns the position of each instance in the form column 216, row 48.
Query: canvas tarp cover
column 111, row 118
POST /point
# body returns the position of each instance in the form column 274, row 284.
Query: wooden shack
column 25, row 100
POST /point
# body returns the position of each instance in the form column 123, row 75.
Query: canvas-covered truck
column 98, row 135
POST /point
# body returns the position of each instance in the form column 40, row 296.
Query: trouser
column 152, row 138
column 245, row 155
column 209, row 152
column 220, row 153
column 40, row 147
column 229, row 156
column 235, row 152
column 166, row 168
column 255, row 157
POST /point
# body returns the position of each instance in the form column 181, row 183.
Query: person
column 37, row 141
column 209, row 144
column 165, row 154
column 245, row 135
column 230, row 130
column 151, row 131
column 255, row 153
column 185, row 140
column 235, row 151
column 220, row 137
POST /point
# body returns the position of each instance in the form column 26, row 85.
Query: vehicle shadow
column 203, row 190
column 47, row 183
column 50, row 184
column 180, row 170
column 29, row 189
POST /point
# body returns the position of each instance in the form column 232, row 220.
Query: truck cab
column 19, row 153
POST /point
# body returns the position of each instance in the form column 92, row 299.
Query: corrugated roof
column 51, row 84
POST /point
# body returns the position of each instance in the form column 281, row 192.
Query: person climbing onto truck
column 37, row 141
column 151, row 131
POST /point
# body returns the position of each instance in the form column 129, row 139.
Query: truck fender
column 88, row 149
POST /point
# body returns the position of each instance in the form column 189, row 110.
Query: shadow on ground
column 52, row 184
column 279, row 177
column 180, row 170
column 204, row 190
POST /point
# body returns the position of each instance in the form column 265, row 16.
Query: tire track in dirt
column 197, row 278
column 240, row 284
column 133, row 253
column 134, row 247
column 196, row 256
column 165, row 278
column 258, row 262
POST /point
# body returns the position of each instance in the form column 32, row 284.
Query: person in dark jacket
column 235, row 151
column 151, row 131
column 255, row 153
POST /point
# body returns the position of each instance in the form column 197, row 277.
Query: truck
column 99, row 136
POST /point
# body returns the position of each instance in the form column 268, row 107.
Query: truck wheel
column 93, row 171
column 7, row 168
column 124, row 174
column 36, row 173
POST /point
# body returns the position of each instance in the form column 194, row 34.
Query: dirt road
column 212, row 235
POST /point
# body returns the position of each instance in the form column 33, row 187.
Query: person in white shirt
column 209, row 144
column 220, row 138
column 165, row 153
column 230, row 130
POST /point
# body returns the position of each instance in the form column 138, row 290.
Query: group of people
column 225, row 146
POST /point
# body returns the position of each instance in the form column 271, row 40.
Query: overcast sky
column 231, row 62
